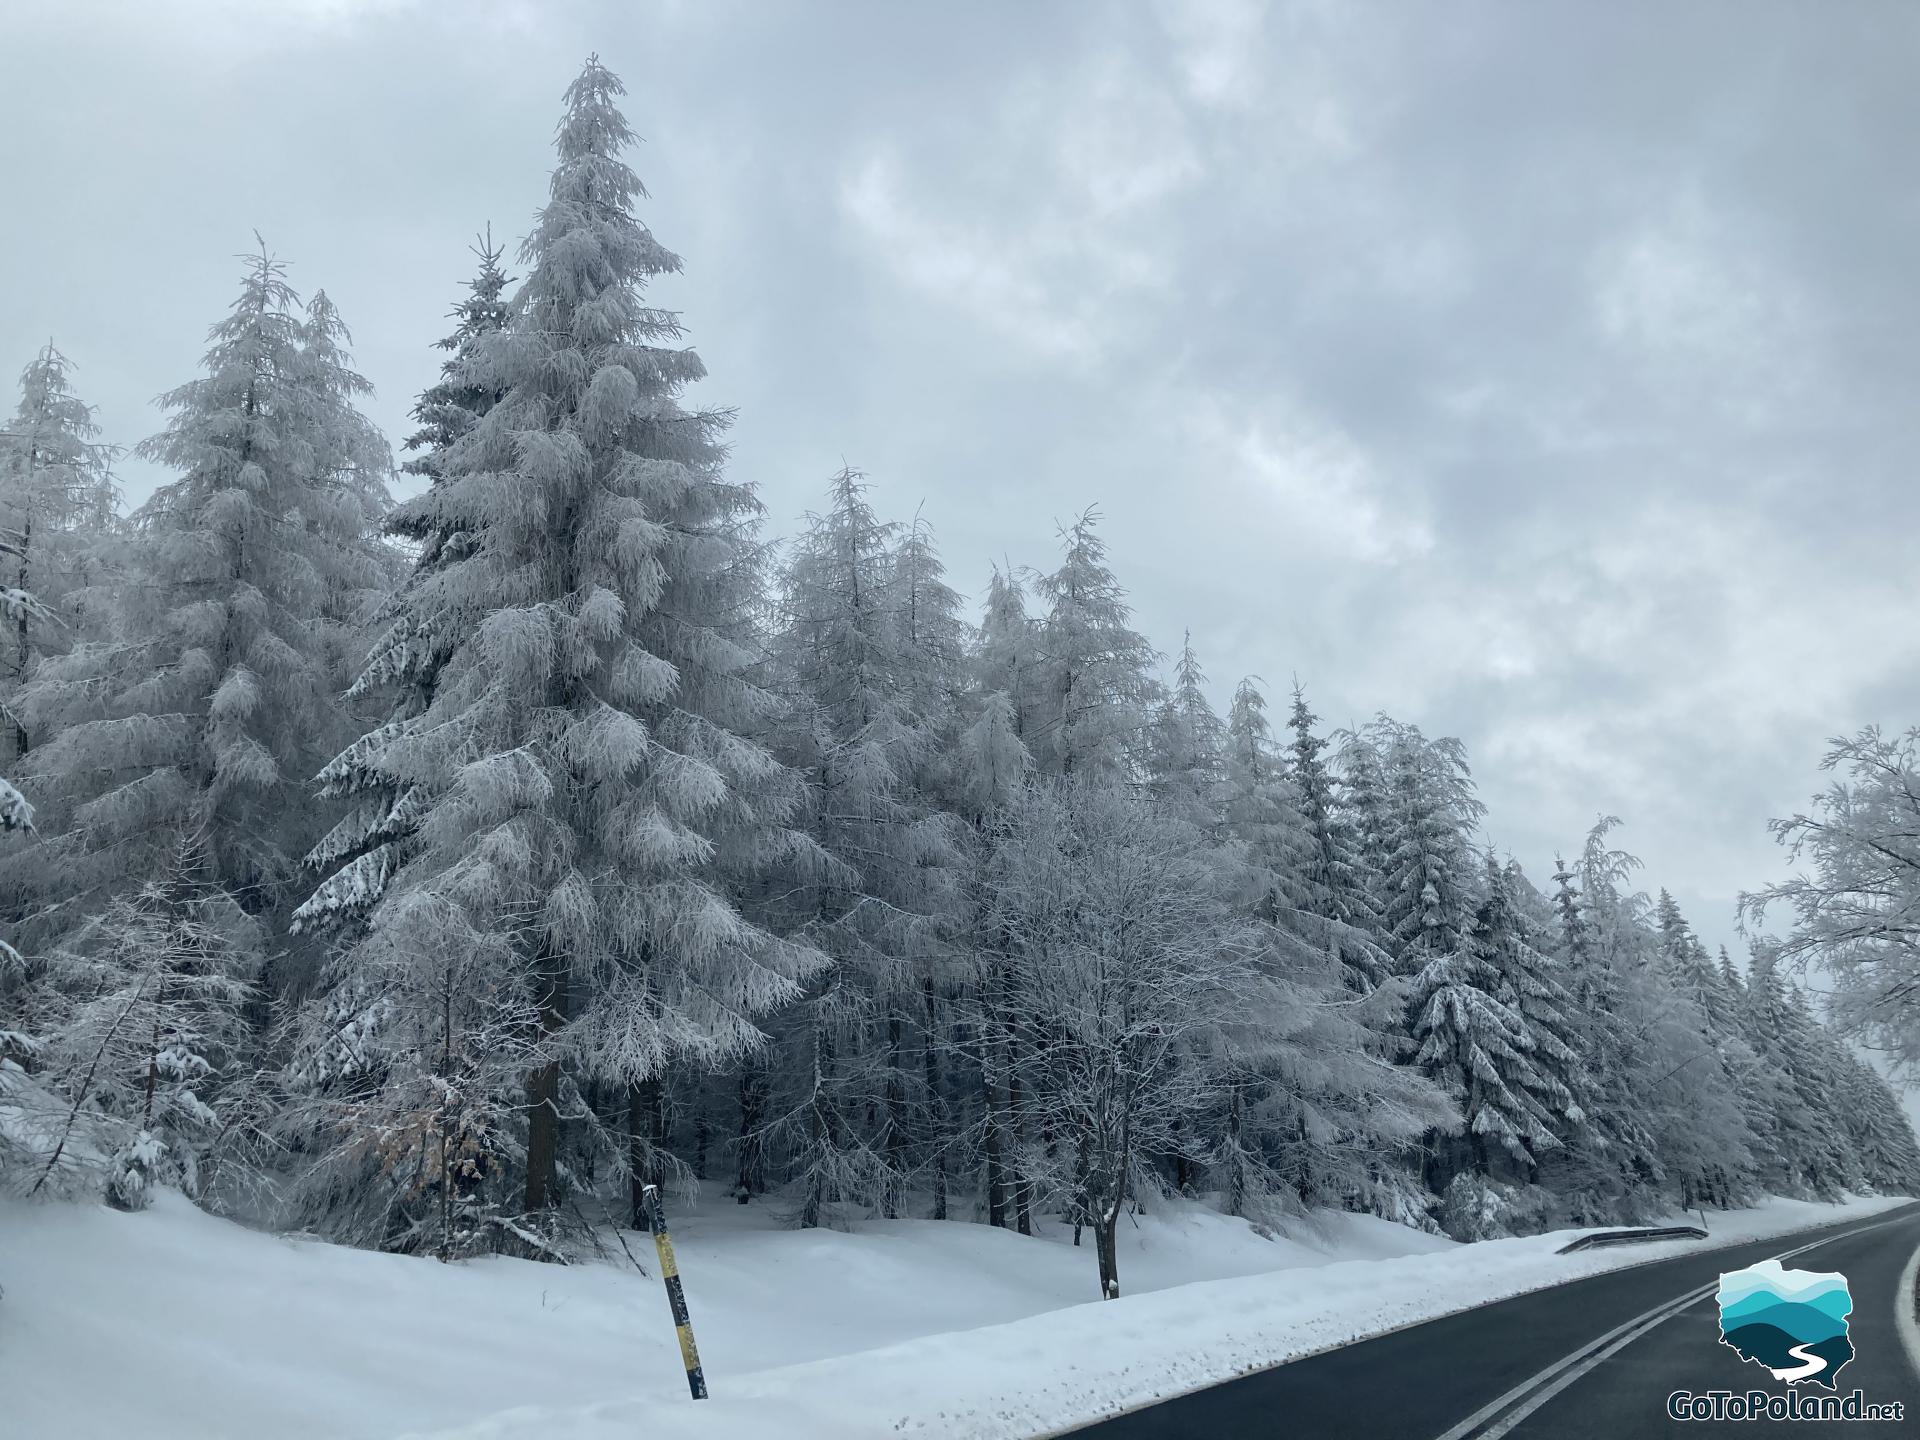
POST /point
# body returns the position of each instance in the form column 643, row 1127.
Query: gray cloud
column 1540, row 373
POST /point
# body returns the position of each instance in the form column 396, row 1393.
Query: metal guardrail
column 1629, row 1237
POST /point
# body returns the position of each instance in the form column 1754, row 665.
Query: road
column 1593, row 1360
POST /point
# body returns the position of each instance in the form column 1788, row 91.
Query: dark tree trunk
column 896, row 1149
column 543, row 1086
column 646, row 1137
column 995, row 1151
column 1105, row 1226
column 753, row 1108
column 1022, row 1190
column 1236, row 1155
column 936, row 1107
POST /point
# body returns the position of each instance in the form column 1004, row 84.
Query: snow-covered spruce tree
column 1095, row 684
column 1185, row 770
column 1315, row 1107
column 1809, row 1144
column 362, row 852
column 1187, row 745
column 932, row 645
column 1511, row 923
column 16, row 605
column 1428, row 885
column 862, row 655
column 1606, row 1170
column 1480, row 1049
column 217, row 694
column 57, row 502
column 1712, row 998
column 1879, row 1134
column 1663, row 1081
column 1333, row 874
column 983, row 778
column 594, row 796
column 1006, row 653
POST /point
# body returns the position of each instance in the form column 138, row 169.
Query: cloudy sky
column 1540, row 373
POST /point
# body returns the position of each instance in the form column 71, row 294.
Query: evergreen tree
column 217, row 695
column 1094, row 683
column 1188, row 739
column 1006, row 655
column 596, row 798
column 1316, row 1107
column 871, row 710
column 1333, row 872
column 1431, row 813
column 57, row 500
column 361, row 854
column 1808, row 1146
column 1607, row 1168
column 1476, row 1043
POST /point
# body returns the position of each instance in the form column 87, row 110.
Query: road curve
column 1530, row 1367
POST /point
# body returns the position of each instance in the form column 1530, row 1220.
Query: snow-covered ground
column 177, row 1326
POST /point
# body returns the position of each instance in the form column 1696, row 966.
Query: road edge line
column 1903, row 1307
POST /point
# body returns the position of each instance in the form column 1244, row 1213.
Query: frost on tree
column 214, row 694
column 137, row 1036
column 1127, row 959
column 868, row 653
column 364, row 849
column 1316, row 1110
column 594, row 797
column 1093, row 678
column 57, row 503
column 1855, row 906
column 1476, row 1042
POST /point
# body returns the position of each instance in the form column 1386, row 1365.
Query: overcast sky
column 1542, row 374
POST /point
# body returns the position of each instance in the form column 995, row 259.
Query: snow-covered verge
column 173, row 1324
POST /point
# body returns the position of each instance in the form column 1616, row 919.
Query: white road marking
column 1903, row 1317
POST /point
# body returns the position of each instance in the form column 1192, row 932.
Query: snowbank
column 174, row 1325
column 171, row 1324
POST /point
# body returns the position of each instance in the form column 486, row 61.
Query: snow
column 174, row 1325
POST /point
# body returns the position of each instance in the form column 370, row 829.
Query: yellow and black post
column 676, row 1297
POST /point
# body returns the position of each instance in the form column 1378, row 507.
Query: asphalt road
column 1593, row 1360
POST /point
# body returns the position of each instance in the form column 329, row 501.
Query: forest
column 434, row 875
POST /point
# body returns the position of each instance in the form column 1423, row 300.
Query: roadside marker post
column 676, row 1297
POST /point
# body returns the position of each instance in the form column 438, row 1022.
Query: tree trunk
column 1022, row 1190
column 1105, row 1225
column 1236, row 1155
column 896, row 1148
column 646, row 1124
column 1016, row 1127
column 820, row 1127
column 936, row 1107
column 996, row 1159
column 543, row 1086
column 753, row 1105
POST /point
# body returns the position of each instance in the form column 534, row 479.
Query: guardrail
column 1629, row 1237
